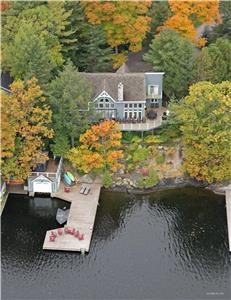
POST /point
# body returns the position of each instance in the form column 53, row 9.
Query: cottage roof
column 133, row 84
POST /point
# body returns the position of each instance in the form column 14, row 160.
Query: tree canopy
column 187, row 15
column 99, row 149
column 70, row 100
column 26, row 118
column 214, row 62
column 174, row 55
column 206, row 128
column 124, row 22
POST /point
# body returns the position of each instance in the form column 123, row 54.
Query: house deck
column 81, row 217
column 147, row 125
column 228, row 212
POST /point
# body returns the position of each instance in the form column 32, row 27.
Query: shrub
column 170, row 152
column 128, row 136
column 148, row 182
column 160, row 159
column 107, row 179
column 140, row 154
column 153, row 150
column 153, row 139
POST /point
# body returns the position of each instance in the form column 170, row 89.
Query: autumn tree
column 187, row 15
column 206, row 128
column 223, row 29
column 124, row 22
column 99, row 149
column 24, row 128
column 174, row 55
column 70, row 99
column 214, row 62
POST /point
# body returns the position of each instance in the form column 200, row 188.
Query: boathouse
column 46, row 181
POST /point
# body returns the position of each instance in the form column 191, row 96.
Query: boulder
column 86, row 179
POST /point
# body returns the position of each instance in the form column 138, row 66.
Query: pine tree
column 90, row 53
column 174, row 55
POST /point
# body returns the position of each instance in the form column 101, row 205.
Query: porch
column 144, row 124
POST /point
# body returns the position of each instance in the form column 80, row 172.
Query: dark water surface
column 166, row 245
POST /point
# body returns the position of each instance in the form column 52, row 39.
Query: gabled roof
column 133, row 84
column 42, row 177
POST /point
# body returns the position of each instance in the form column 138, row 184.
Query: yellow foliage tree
column 99, row 150
column 205, row 120
column 124, row 22
column 188, row 14
column 25, row 119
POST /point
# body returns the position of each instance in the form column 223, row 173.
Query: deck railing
column 50, row 174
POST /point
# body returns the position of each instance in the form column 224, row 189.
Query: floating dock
column 81, row 217
column 228, row 211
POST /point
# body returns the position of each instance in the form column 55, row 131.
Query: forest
column 45, row 44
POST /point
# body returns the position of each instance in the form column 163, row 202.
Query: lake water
column 165, row 245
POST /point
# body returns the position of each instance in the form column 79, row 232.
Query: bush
column 153, row 139
column 107, row 179
column 140, row 154
column 160, row 159
column 148, row 182
column 128, row 136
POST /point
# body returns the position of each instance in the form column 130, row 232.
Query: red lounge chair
column 66, row 230
column 77, row 234
column 60, row 231
column 52, row 238
column 53, row 233
column 72, row 231
column 81, row 237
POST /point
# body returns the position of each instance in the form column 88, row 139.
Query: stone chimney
column 120, row 92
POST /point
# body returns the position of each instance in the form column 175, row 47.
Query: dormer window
column 153, row 90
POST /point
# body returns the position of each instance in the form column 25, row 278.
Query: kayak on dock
column 71, row 176
column 67, row 180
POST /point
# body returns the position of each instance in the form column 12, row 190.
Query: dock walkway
column 228, row 211
column 81, row 217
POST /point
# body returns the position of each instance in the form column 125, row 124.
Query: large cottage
column 127, row 97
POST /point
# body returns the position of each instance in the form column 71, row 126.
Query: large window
column 153, row 90
column 133, row 111
column 106, row 108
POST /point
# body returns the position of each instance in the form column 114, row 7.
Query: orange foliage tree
column 124, row 22
column 25, row 119
column 189, row 14
column 99, row 150
column 4, row 5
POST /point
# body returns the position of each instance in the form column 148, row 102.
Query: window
column 140, row 105
column 126, row 105
column 107, row 105
column 135, row 105
column 130, row 105
column 153, row 89
column 101, row 105
column 112, row 105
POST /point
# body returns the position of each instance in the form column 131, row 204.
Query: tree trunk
column 72, row 141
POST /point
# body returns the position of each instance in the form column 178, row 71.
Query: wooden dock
column 228, row 211
column 81, row 217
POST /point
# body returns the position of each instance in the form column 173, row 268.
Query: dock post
column 82, row 251
column 228, row 212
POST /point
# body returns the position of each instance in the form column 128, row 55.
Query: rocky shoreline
column 168, row 183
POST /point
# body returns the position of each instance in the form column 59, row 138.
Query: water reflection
column 165, row 245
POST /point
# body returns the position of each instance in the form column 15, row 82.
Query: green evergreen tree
column 70, row 100
column 214, row 62
column 159, row 12
column 174, row 55
column 28, row 56
column 90, row 53
column 222, row 30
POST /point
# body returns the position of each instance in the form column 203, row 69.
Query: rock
column 121, row 171
column 86, row 179
column 179, row 180
column 160, row 147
